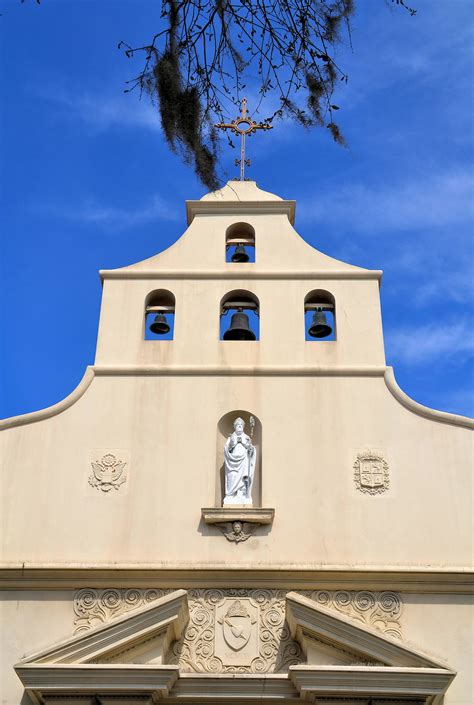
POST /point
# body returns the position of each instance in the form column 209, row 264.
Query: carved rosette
column 371, row 474
column 275, row 650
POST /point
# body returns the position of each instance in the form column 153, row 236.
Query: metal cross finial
column 243, row 126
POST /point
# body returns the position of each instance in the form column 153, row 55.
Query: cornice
column 327, row 275
column 311, row 681
column 276, row 207
column 453, row 581
column 72, row 677
column 239, row 371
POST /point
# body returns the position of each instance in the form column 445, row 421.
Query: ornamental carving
column 108, row 472
column 211, row 642
column 379, row 610
column 371, row 472
column 237, row 531
column 238, row 630
column 94, row 607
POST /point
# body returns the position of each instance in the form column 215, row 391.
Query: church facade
column 242, row 506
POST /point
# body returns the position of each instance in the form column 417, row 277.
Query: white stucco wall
column 157, row 405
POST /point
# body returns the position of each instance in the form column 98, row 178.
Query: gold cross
column 243, row 126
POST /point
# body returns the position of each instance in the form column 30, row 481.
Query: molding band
column 276, row 207
column 234, row 371
column 401, row 579
column 62, row 405
column 420, row 409
column 223, row 274
column 131, row 370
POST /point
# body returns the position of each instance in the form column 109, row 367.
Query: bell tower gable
column 269, row 261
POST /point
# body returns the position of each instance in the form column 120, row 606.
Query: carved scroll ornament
column 239, row 630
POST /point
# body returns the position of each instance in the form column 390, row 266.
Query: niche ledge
column 237, row 523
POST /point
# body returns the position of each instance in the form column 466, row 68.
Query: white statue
column 240, row 456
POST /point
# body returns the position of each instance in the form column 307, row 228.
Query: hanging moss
column 181, row 118
column 195, row 68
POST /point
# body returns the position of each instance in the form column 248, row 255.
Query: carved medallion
column 236, row 640
column 108, row 472
column 371, row 472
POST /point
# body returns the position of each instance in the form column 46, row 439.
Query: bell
column 159, row 325
column 239, row 328
column 320, row 328
column 240, row 254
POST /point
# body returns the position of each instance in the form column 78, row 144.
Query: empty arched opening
column 240, row 243
column 159, row 315
column 320, row 316
column 252, row 429
column 240, row 316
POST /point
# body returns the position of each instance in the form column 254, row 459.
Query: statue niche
column 240, row 456
column 239, row 460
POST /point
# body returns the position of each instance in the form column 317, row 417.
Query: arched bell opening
column 320, row 316
column 240, row 316
column 253, row 429
column 160, row 308
column 240, row 243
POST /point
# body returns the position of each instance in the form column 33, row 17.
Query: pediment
column 127, row 658
column 312, row 624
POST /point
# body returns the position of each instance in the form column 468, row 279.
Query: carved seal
column 108, row 472
column 371, row 472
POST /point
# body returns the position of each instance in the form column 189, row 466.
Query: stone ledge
column 253, row 515
column 237, row 523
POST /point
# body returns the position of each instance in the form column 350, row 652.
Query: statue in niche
column 240, row 456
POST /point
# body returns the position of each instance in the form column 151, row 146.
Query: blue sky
column 89, row 184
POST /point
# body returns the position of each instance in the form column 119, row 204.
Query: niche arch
column 159, row 303
column 239, row 301
column 320, row 301
column 240, row 235
column 225, row 427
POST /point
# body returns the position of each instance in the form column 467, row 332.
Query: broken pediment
column 127, row 659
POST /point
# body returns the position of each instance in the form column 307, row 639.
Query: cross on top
column 244, row 126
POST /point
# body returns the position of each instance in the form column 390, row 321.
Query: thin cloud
column 117, row 218
column 440, row 200
column 419, row 345
column 104, row 112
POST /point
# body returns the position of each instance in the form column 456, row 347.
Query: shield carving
column 236, row 626
column 371, row 473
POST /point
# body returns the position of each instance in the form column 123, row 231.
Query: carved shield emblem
column 371, row 472
column 236, row 626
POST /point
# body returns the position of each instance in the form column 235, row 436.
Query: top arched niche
column 240, row 235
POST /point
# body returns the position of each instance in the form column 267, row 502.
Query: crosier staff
column 250, row 450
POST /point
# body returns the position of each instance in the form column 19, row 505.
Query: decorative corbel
column 237, row 523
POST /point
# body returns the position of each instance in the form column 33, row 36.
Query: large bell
column 239, row 328
column 320, row 327
column 159, row 325
column 240, row 254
